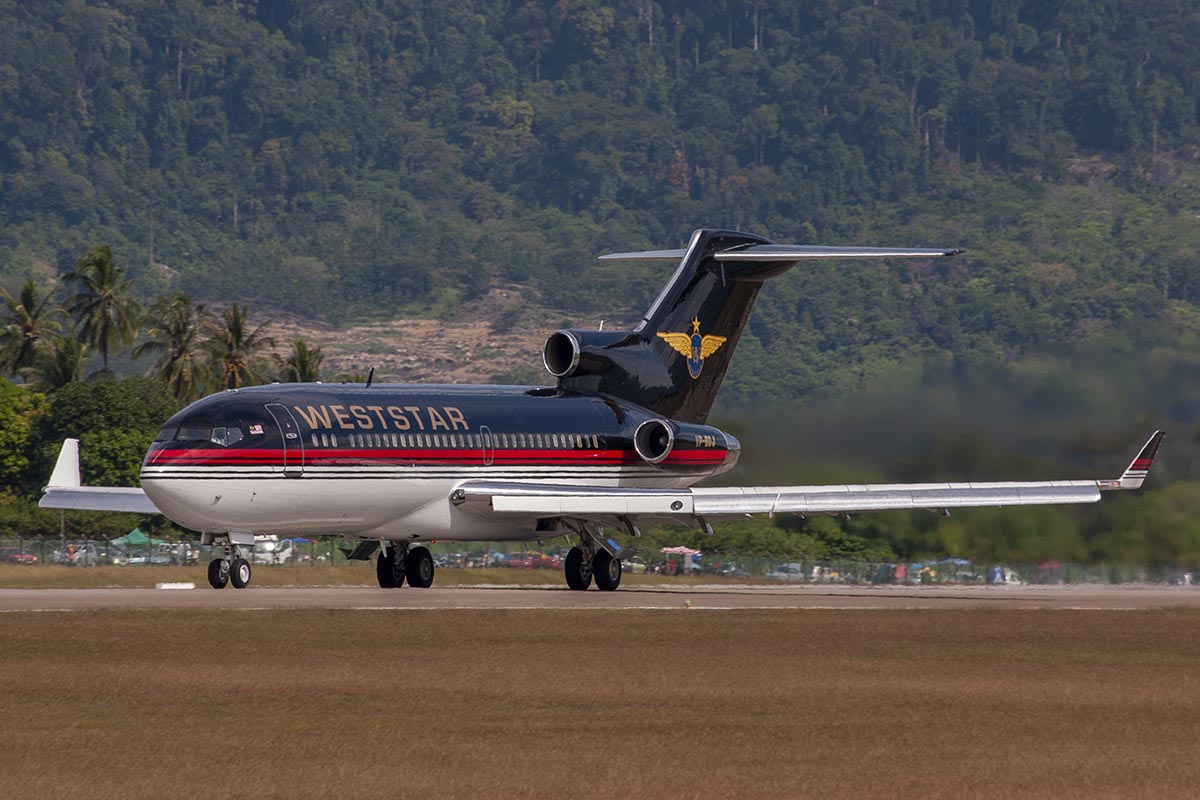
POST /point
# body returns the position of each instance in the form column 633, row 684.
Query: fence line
column 729, row 566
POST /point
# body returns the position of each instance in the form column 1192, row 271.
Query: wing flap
column 851, row 499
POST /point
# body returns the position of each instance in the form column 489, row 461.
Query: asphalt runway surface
column 696, row 598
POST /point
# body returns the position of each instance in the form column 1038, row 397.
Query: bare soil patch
column 597, row 704
column 495, row 338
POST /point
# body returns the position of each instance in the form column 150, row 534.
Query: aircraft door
column 293, row 441
column 489, row 446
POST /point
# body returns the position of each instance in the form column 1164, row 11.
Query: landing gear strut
column 398, row 563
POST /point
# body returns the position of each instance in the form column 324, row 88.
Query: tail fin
column 694, row 324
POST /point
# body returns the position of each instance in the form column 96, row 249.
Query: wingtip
column 1135, row 474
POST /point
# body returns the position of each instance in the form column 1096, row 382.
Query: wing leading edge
column 540, row 500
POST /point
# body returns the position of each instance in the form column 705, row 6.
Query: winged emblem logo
column 694, row 347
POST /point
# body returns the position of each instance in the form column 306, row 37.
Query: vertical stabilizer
column 674, row 361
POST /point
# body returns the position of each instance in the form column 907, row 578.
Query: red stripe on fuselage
column 332, row 456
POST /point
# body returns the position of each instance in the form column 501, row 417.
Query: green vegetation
column 390, row 158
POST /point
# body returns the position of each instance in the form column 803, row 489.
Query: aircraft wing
column 67, row 491
column 705, row 504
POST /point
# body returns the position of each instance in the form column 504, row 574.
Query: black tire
column 607, row 570
column 418, row 568
column 579, row 572
column 218, row 573
column 239, row 573
column 385, row 569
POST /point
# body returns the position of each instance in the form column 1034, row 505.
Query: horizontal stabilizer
column 646, row 255
column 794, row 252
column 789, row 252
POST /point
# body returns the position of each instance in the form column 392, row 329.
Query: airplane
column 618, row 442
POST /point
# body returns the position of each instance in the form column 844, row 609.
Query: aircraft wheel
column 239, row 573
column 218, row 573
column 578, row 569
column 385, row 569
column 608, row 571
column 418, row 568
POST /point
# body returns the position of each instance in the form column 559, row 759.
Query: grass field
column 582, row 704
column 13, row 576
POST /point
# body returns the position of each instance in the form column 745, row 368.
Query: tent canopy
column 135, row 538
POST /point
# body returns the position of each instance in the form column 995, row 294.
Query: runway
column 690, row 598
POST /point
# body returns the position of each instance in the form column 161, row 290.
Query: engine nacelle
column 655, row 440
column 570, row 353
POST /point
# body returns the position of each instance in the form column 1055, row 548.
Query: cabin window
column 554, row 438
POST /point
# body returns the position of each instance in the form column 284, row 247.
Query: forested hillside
column 356, row 161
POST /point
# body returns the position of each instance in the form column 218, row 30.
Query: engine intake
column 653, row 440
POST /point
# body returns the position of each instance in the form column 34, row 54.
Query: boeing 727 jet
column 618, row 442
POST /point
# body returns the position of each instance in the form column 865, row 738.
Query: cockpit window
column 194, row 432
column 166, row 433
column 226, row 436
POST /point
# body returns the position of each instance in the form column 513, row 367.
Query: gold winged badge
column 694, row 347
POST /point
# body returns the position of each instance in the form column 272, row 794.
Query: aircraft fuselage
column 382, row 461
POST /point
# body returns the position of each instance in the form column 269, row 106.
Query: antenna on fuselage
column 370, row 377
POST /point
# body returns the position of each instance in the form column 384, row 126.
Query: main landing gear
column 230, row 569
column 591, row 559
column 397, row 564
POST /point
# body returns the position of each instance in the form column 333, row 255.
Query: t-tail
column 673, row 362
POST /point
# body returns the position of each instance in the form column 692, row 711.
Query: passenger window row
column 499, row 441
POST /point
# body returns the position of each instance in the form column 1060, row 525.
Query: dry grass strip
column 54, row 576
column 582, row 704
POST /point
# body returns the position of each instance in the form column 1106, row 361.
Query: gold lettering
column 343, row 420
column 313, row 415
column 436, row 420
column 396, row 413
column 379, row 413
column 416, row 412
column 456, row 416
column 364, row 419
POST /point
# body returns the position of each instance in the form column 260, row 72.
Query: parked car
column 15, row 555
column 788, row 572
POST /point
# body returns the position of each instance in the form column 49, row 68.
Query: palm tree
column 304, row 363
column 175, row 335
column 106, row 316
column 237, row 351
column 23, row 323
column 59, row 360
